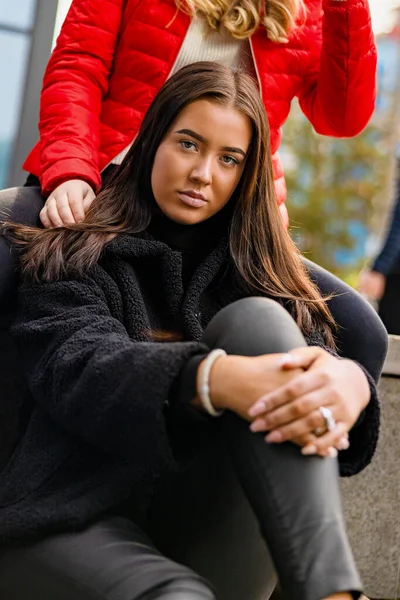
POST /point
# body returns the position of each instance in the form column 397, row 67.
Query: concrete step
column 372, row 499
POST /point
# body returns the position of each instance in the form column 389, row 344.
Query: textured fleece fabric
column 104, row 392
column 113, row 56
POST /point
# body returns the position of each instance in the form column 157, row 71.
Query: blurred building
column 26, row 36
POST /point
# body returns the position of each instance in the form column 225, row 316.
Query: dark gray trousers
column 295, row 499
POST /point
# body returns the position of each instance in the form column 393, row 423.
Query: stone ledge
column 371, row 499
column 392, row 363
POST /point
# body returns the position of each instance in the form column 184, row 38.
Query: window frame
column 41, row 37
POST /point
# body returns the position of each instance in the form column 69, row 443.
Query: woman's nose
column 202, row 172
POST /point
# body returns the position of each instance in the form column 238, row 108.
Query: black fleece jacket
column 98, row 433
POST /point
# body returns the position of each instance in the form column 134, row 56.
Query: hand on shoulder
column 67, row 204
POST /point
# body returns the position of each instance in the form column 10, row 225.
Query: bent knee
column 255, row 307
column 253, row 326
column 381, row 341
column 21, row 204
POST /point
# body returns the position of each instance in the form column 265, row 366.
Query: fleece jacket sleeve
column 89, row 376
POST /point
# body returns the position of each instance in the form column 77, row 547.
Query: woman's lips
column 191, row 200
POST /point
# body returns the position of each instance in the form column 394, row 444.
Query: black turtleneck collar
column 194, row 242
column 200, row 238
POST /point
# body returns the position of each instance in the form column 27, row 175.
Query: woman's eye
column 229, row 160
column 187, row 145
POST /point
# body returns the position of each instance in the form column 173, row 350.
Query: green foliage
column 334, row 187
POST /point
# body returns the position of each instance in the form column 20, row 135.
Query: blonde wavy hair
column 241, row 18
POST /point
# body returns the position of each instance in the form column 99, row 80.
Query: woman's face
column 200, row 161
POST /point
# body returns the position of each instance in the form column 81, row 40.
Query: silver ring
column 318, row 431
column 330, row 422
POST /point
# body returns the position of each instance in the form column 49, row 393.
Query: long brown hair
column 262, row 251
column 242, row 18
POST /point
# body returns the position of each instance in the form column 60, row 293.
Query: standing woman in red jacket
column 112, row 57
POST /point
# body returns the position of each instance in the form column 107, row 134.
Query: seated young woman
column 181, row 294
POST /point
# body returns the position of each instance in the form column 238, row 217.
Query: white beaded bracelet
column 204, row 384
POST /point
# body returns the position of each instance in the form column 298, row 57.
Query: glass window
column 14, row 49
column 17, row 13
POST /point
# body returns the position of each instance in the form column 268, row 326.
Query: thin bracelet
column 204, row 385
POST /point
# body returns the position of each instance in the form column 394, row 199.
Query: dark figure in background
column 381, row 282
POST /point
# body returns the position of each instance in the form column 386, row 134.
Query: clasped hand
column 293, row 388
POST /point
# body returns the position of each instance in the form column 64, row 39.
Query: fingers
column 76, row 207
column 300, row 420
column 302, row 357
column 88, row 199
column 307, row 424
column 49, row 215
column 293, row 411
column 304, row 383
column 309, row 445
column 343, row 443
column 66, row 207
column 303, row 440
column 324, row 446
column 309, row 438
column 44, row 218
column 330, row 439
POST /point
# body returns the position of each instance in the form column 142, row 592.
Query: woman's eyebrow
column 203, row 140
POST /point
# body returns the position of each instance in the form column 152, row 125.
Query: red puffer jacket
column 112, row 57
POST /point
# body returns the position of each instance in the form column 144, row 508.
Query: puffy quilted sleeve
column 75, row 82
column 338, row 91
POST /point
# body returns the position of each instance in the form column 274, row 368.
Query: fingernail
column 274, row 436
column 287, row 359
column 310, row 449
column 332, row 452
column 257, row 425
column 343, row 444
column 256, row 409
column 324, row 454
